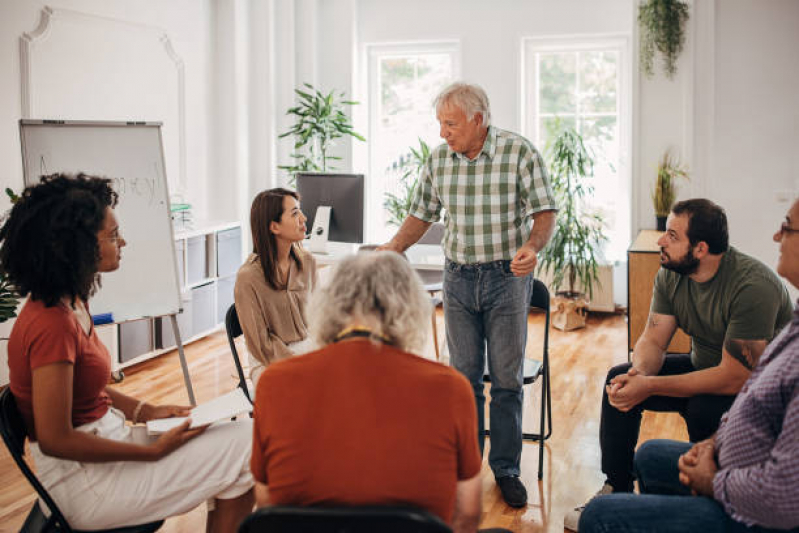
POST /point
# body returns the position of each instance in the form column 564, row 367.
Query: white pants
column 215, row 464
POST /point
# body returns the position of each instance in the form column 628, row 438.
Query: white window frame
column 529, row 104
column 373, row 53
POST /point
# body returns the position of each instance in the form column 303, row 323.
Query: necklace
column 360, row 331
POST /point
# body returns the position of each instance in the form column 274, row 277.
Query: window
column 403, row 81
column 583, row 85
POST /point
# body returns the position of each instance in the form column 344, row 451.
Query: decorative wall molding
column 39, row 53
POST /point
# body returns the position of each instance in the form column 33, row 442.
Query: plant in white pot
column 320, row 120
column 572, row 255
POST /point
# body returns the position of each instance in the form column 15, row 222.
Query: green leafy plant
column 411, row 165
column 665, row 191
column 320, row 120
column 9, row 299
column 572, row 253
column 662, row 28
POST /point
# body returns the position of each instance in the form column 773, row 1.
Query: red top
column 359, row 423
column 46, row 335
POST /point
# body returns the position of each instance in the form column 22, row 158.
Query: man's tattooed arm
column 747, row 352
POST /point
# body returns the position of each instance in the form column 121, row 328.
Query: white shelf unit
column 208, row 258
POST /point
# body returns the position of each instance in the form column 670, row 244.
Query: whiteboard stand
column 183, row 364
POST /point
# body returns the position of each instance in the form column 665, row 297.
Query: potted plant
column 662, row 28
column 665, row 191
column 410, row 165
column 320, row 120
column 573, row 251
column 9, row 299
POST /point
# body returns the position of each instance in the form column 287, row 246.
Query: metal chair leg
column 435, row 335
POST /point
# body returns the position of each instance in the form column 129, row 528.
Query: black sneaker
column 513, row 492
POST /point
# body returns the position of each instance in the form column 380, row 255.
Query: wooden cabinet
column 643, row 262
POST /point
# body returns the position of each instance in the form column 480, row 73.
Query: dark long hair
column 267, row 207
column 49, row 242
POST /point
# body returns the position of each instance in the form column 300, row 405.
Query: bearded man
column 730, row 304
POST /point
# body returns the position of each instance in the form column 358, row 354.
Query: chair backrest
column 540, row 296
column 343, row 519
column 233, row 329
column 14, row 433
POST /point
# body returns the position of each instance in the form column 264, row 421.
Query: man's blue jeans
column 485, row 309
column 664, row 505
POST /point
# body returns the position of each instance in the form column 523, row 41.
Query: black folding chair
column 233, row 329
column 343, row 520
column 14, row 433
column 533, row 369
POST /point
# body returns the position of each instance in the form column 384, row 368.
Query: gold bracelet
column 136, row 412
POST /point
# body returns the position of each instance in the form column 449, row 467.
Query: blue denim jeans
column 664, row 505
column 485, row 309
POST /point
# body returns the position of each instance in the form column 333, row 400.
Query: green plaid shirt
column 488, row 201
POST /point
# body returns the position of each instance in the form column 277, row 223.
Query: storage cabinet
column 207, row 261
column 643, row 263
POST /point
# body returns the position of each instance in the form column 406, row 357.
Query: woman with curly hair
column 273, row 285
column 60, row 236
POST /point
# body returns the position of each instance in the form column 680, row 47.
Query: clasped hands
column 698, row 465
column 698, row 468
column 625, row 391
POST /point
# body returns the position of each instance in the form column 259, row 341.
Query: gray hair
column 471, row 99
column 380, row 286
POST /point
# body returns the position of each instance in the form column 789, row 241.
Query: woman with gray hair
column 364, row 421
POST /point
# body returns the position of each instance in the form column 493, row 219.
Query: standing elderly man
column 491, row 184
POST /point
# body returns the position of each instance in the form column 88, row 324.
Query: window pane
column 598, row 73
column 551, row 127
column 557, row 82
column 407, row 85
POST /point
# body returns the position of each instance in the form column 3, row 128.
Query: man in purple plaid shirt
column 745, row 477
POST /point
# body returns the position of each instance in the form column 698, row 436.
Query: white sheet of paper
column 224, row 407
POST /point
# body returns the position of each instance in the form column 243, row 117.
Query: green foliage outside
column 9, row 299
column 320, row 120
column 662, row 29
column 572, row 253
column 398, row 205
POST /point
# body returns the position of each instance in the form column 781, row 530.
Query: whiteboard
column 131, row 155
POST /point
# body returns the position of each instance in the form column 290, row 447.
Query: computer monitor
column 343, row 194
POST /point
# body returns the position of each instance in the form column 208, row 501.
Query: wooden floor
column 579, row 361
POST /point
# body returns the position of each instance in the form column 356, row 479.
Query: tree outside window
column 403, row 83
column 579, row 85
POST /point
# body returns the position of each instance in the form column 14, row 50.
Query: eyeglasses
column 786, row 229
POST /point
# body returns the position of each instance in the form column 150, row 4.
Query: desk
column 643, row 263
column 421, row 256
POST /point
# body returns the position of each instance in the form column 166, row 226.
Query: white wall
column 733, row 113
column 226, row 48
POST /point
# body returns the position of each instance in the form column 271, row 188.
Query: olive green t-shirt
column 745, row 300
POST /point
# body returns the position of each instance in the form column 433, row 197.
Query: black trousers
column 618, row 431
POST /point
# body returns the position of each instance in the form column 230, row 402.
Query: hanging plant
column 662, row 26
